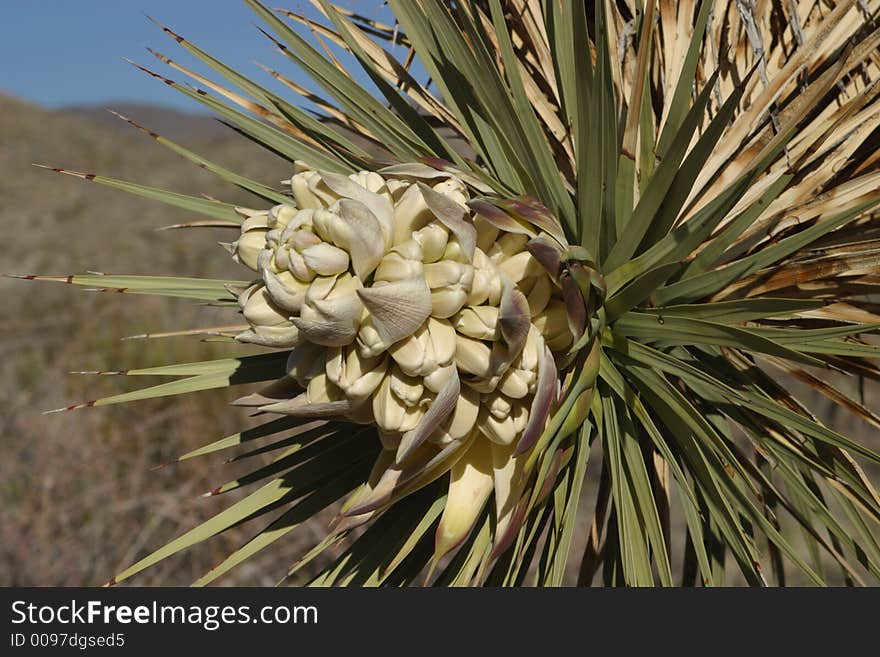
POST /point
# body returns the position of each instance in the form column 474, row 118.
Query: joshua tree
column 594, row 241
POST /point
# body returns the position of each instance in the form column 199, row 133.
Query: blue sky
column 70, row 52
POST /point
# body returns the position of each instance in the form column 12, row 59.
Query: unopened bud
column 478, row 322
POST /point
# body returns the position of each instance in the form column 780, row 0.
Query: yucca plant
column 600, row 240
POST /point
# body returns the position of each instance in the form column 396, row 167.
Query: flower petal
column 423, row 467
column 453, row 216
column 286, row 291
column 397, row 309
column 441, row 407
column 352, row 226
column 470, row 484
column 507, row 472
column 379, row 206
column 574, row 306
column 325, row 259
column 548, row 252
column 529, row 209
column 545, row 395
column 514, row 318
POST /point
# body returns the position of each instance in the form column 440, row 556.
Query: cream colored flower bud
column 288, row 247
column 391, row 413
column 408, row 389
column 369, row 342
column 473, row 357
column 432, row 346
column 516, row 383
column 358, row 377
column 351, row 226
column 507, row 246
column 522, row 377
column 247, row 248
column 455, row 252
column 520, row 417
column 302, row 238
column 325, row 259
column 259, row 310
column 402, row 262
column 433, row 239
column 453, row 189
column 286, row 291
column 304, row 197
column 372, row 181
column 310, row 191
column 520, row 266
column 538, row 291
column 498, row 405
column 486, row 287
column 320, row 390
column 436, row 380
column 411, row 213
column 478, row 322
column 331, row 313
column 281, row 215
column 463, row 419
column 285, row 240
column 504, row 430
column 553, row 325
column 486, row 233
column 450, row 284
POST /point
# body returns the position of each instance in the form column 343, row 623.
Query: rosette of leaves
column 662, row 212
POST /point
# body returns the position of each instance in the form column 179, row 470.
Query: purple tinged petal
column 416, row 170
column 527, row 208
column 514, row 318
column 574, row 304
column 498, row 217
column 548, row 253
column 402, row 478
column 441, row 407
column 560, row 459
column 504, row 541
column 545, row 396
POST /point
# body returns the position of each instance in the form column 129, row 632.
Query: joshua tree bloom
column 599, row 241
column 421, row 317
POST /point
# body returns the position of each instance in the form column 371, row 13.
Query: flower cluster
column 404, row 309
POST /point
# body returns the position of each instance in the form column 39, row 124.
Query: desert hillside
column 77, row 495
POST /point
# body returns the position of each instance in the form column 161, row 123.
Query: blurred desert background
column 79, row 498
